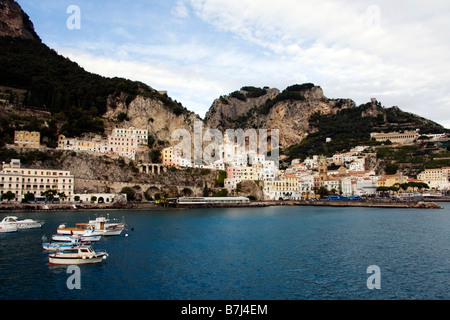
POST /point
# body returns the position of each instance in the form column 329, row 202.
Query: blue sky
column 198, row 50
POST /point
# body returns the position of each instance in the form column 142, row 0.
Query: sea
column 285, row 253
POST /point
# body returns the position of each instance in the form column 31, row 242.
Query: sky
column 197, row 50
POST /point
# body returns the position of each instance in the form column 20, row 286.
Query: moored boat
column 80, row 255
column 74, row 243
column 79, row 229
column 104, row 226
column 8, row 225
column 26, row 223
column 84, row 237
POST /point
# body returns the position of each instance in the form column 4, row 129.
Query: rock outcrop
column 14, row 22
column 288, row 111
column 150, row 114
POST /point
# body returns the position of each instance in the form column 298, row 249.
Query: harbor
column 270, row 253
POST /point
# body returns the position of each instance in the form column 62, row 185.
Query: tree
column 206, row 190
column 8, row 196
column 27, row 198
column 391, row 168
column 131, row 195
column 49, row 194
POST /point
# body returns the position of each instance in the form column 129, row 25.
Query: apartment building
column 20, row 181
column 436, row 178
column 26, row 139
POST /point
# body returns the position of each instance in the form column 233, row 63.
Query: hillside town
column 343, row 174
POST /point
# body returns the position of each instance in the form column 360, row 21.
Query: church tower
column 323, row 169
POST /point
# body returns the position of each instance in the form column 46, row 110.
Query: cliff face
column 288, row 111
column 150, row 114
column 14, row 22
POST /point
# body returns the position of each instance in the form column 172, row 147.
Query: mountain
column 77, row 102
column 306, row 118
column 36, row 76
column 14, row 22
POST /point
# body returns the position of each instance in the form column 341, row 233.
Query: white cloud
column 397, row 52
column 180, row 10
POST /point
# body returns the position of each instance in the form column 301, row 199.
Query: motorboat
column 8, row 225
column 88, row 236
column 81, row 255
column 26, row 223
column 74, row 243
column 79, row 229
column 106, row 227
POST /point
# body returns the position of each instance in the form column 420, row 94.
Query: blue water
column 276, row 253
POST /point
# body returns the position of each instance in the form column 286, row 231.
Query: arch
column 187, row 192
column 153, row 190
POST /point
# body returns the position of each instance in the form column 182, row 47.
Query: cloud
column 396, row 52
column 180, row 10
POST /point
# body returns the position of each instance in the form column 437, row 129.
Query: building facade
column 21, row 181
column 26, row 139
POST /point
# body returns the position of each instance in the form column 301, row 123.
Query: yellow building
column 286, row 187
column 26, row 139
column 391, row 180
column 167, row 156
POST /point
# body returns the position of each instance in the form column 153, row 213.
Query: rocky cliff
column 288, row 111
column 14, row 22
column 148, row 113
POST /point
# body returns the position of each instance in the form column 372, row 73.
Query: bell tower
column 323, row 169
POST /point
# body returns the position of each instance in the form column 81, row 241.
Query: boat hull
column 29, row 225
column 58, row 246
column 8, row 229
column 83, row 238
column 59, row 258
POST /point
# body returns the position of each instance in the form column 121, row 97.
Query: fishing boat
column 84, row 237
column 79, row 229
column 8, row 225
column 80, row 255
column 25, row 224
column 74, row 243
column 104, row 226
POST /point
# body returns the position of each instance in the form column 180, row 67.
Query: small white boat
column 84, row 237
column 79, row 229
column 25, row 224
column 80, row 255
column 8, row 225
column 105, row 227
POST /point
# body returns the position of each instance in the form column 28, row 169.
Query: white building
column 21, row 181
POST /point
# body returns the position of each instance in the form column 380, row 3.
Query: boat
column 25, row 224
column 8, row 225
column 73, row 243
column 79, row 229
column 105, row 227
column 88, row 236
column 84, row 254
